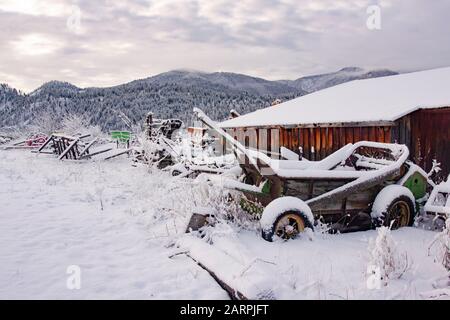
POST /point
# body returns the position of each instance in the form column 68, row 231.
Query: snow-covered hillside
column 123, row 226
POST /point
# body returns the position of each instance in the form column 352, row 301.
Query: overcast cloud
column 106, row 42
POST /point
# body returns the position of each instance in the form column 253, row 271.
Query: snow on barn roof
column 378, row 99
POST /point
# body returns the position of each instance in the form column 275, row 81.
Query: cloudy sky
column 108, row 42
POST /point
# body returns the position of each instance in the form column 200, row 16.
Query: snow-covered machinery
column 160, row 146
column 177, row 153
column 356, row 188
column 438, row 204
column 33, row 141
column 161, row 127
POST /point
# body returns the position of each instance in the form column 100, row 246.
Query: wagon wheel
column 289, row 225
column 398, row 214
column 285, row 217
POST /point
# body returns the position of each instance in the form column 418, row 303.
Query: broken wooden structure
column 76, row 147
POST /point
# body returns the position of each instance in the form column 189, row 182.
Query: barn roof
column 378, row 99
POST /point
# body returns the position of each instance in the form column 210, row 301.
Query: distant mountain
column 322, row 81
column 168, row 95
column 233, row 81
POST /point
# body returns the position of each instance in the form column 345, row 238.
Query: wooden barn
column 412, row 109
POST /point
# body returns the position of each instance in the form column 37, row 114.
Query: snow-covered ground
column 51, row 218
column 122, row 225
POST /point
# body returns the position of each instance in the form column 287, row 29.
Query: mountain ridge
column 172, row 94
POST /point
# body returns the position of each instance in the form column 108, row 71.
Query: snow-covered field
column 123, row 227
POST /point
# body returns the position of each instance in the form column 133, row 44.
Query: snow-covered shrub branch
column 386, row 262
column 70, row 124
column 442, row 241
column 224, row 206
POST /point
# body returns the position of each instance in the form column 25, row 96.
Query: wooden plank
column 401, row 131
column 87, row 147
column 323, row 142
column 281, row 140
column 262, row 140
column 387, row 135
column 408, row 130
column 118, row 154
column 380, row 134
column 348, row 135
column 95, row 153
column 336, row 143
column 361, row 200
column 301, row 140
column 329, row 141
column 287, row 138
column 372, row 134
column 295, row 140
column 317, row 144
column 357, row 134
column 307, row 144
column 68, row 149
column 352, row 189
column 312, row 144
column 15, row 147
column 298, row 189
column 364, row 134
column 49, row 139
column 342, row 137
column 275, row 137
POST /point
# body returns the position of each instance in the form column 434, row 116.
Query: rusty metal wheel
column 289, row 225
column 400, row 213
column 285, row 218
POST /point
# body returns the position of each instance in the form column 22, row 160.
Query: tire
column 398, row 207
column 285, row 217
column 297, row 222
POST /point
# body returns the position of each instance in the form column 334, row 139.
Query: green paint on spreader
column 121, row 136
column 417, row 183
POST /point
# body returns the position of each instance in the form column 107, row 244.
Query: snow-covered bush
column 443, row 245
column 446, row 245
column 71, row 124
column 224, row 206
column 386, row 262
column 79, row 124
column 46, row 123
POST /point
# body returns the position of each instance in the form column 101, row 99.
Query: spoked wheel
column 394, row 207
column 286, row 218
column 289, row 226
column 398, row 214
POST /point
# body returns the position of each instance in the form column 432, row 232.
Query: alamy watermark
column 73, row 281
column 373, row 21
column 73, row 22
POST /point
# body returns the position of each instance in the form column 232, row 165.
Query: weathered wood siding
column 427, row 134
column 316, row 142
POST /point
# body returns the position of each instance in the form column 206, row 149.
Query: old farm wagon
column 355, row 188
column 411, row 109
